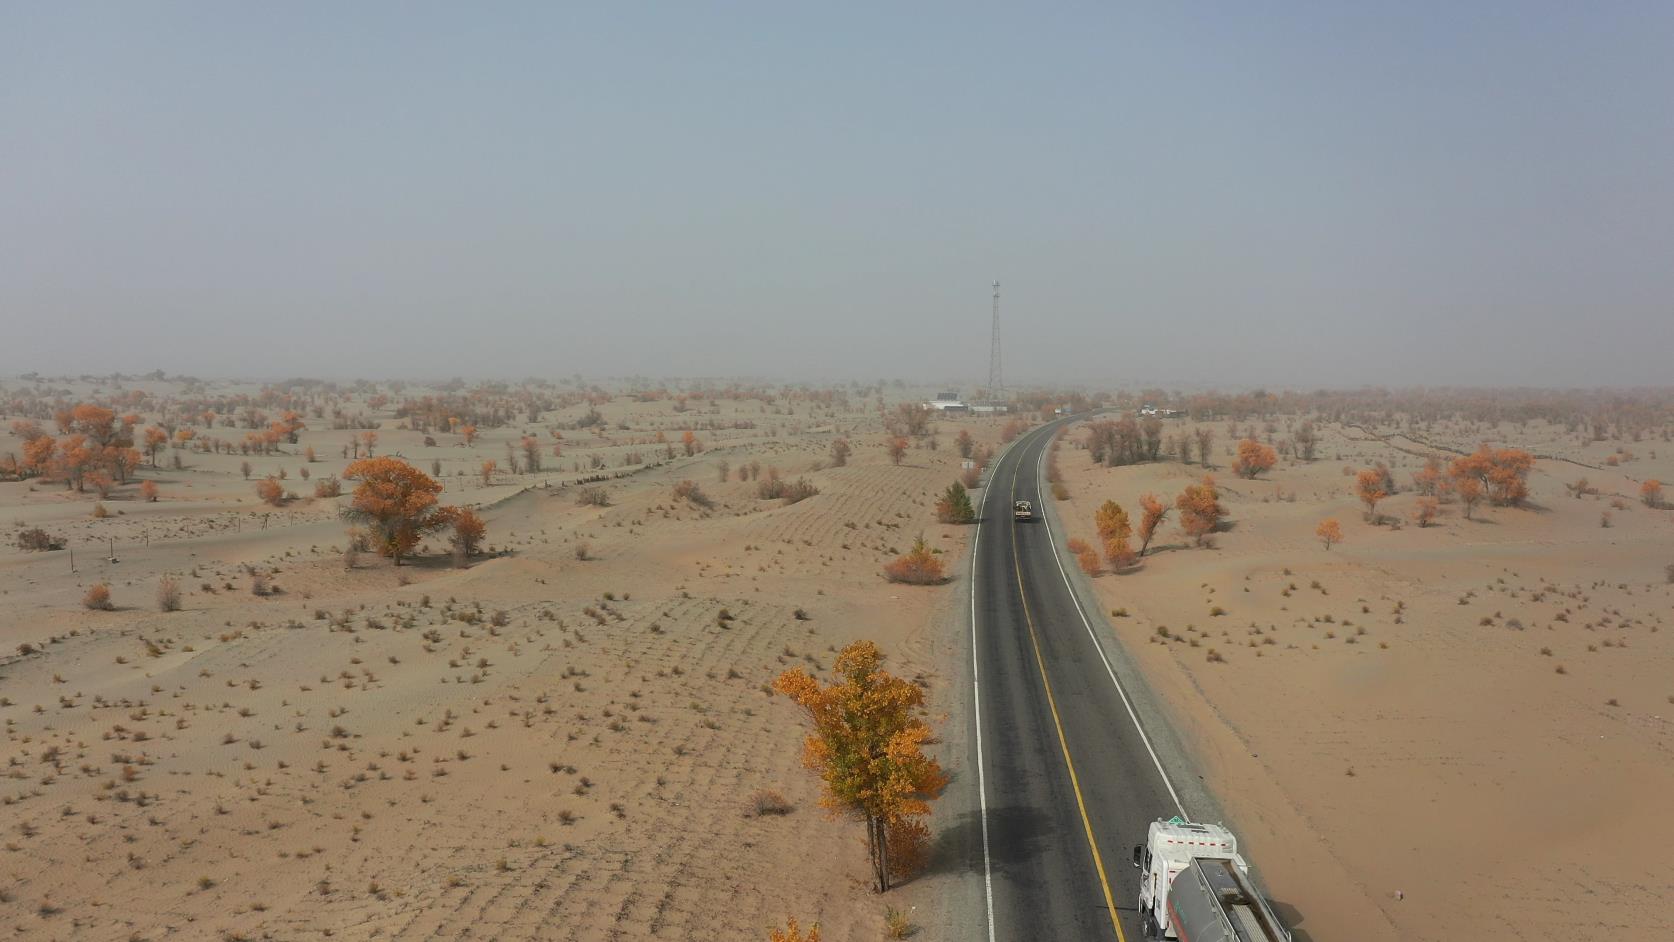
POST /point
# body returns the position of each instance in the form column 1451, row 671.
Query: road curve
column 1067, row 781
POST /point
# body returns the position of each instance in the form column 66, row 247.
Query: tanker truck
column 1194, row 887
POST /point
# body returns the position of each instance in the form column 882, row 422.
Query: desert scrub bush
column 799, row 490
column 168, row 594
column 1085, row 555
column 689, row 492
column 99, row 511
column 97, row 597
column 896, row 923
column 270, row 491
column 792, row 932
column 593, row 496
column 328, row 486
column 583, row 551
column 767, row 802
column 37, row 540
column 917, row 566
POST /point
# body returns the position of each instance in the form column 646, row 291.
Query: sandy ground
column 1460, row 731
column 535, row 746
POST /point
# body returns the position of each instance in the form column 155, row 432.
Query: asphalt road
column 1068, row 783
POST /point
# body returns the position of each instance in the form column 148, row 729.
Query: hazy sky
column 1302, row 194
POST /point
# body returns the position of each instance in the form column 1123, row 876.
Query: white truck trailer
column 1194, row 887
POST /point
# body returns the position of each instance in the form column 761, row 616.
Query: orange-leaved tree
column 1200, row 509
column 1329, row 531
column 917, row 566
column 1503, row 473
column 1114, row 529
column 468, row 529
column 897, row 445
column 1254, row 458
column 1152, row 512
column 1369, row 487
column 397, row 502
column 1651, row 493
column 867, row 746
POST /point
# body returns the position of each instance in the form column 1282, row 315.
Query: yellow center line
column 1052, row 705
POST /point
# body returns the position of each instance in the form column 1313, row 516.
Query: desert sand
column 1455, row 731
column 535, row 745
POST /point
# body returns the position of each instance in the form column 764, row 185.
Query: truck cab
column 1193, row 885
column 1022, row 510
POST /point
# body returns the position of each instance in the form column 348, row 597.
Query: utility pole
column 995, row 386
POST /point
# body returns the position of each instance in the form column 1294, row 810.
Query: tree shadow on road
column 1016, row 836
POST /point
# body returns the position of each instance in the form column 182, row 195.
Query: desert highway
column 1068, row 782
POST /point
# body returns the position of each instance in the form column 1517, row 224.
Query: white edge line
column 1098, row 647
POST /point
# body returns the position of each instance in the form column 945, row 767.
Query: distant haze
column 1296, row 195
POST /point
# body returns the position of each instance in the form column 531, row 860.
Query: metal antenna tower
column 995, row 388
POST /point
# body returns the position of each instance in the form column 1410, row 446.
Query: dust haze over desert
column 466, row 473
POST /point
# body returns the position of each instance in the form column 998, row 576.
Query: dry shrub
column 593, row 496
column 1059, row 491
column 99, row 512
column 97, row 598
column 971, row 478
column 259, row 582
column 38, row 540
column 792, row 932
column 1085, row 555
column 328, row 486
column 168, row 594
column 689, row 492
column 799, row 490
column 767, row 802
column 583, row 552
column 918, row 566
column 270, row 491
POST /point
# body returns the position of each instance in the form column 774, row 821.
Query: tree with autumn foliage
column 1426, row 511
column 148, row 491
column 954, row 506
column 1369, row 487
column 689, row 442
column 897, row 445
column 867, row 746
column 1200, row 509
column 1114, row 530
column 917, row 566
column 1254, row 459
column 840, row 452
column 397, row 503
column 468, row 530
column 1503, row 473
column 1329, row 531
column 155, row 440
column 965, row 443
column 1152, row 512
column 1470, row 493
column 1651, row 493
